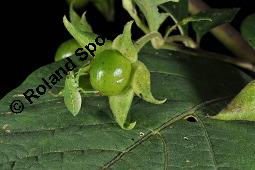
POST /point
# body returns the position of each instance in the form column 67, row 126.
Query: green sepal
column 79, row 22
column 120, row 105
column 84, row 38
column 124, row 44
column 72, row 96
column 141, row 83
column 242, row 107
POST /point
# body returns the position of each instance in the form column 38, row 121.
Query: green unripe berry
column 110, row 72
column 66, row 49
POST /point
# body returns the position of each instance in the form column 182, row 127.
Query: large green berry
column 66, row 49
column 110, row 72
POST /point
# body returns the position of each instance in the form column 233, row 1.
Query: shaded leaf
column 120, row 106
column 124, row 44
column 242, row 107
column 45, row 135
column 248, row 29
column 218, row 17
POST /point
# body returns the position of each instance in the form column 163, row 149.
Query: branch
column 210, row 55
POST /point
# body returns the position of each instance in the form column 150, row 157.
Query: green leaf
column 150, row 11
column 218, row 17
column 248, row 29
column 46, row 136
column 242, row 107
column 141, row 83
column 120, row 106
column 178, row 11
column 124, row 44
column 72, row 96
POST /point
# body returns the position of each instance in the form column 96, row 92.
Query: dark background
column 32, row 30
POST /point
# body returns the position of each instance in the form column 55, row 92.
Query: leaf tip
column 129, row 126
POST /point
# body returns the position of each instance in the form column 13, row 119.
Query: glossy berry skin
column 110, row 72
column 66, row 49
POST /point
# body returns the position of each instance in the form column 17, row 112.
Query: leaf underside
column 46, row 136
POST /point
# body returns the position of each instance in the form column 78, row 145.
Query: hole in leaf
column 191, row 119
column 132, row 139
column 141, row 134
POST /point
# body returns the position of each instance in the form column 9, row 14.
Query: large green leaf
column 46, row 136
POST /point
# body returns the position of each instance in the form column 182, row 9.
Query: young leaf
column 242, row 107
column 120, row 106
column 130, row 7
column 141, row 83
column 248, row 29
column 218, row 17
column 150, row 11
column 124, row 44
column 72, row 96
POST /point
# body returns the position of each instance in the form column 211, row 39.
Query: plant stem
column 205, row 54
column 182, row 38
column 226, row 34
